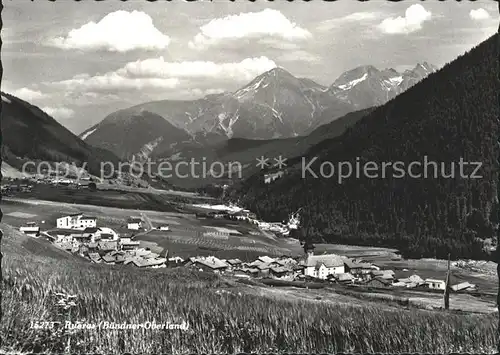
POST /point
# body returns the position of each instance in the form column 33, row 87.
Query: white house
column 435, row 284
column 76, row 221
column 129, row 244
column 164, row 227
column 320, row 266
column 134, row 223
column 103, row 233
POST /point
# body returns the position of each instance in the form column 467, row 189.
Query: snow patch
column 85, row 135
column 354, row 82
column 396, row 80
column 246, row 91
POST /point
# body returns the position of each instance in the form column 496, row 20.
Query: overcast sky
column 80, row 61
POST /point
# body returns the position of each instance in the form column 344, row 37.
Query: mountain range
column 450, row 116
column 275, row 105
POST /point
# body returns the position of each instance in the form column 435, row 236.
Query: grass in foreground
column 219, row 321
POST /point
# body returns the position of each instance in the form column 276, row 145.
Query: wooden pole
column 447, row 287
column 1, row 215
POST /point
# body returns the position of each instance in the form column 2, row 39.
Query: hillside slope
column 451, row 115
column 29, row 134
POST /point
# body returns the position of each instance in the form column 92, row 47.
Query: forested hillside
column 452, row 114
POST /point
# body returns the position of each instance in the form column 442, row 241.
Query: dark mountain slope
column 452, row 114
column 31, row 134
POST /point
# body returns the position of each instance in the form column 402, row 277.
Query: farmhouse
column 357, row 269
column 234, row 262
column 30, row 229
column 76, row 221
column 435, row 284
column 412, row 281
column 385, row 274
column 266, row 259
column 107, row 245
column 134, row 223
column 344, row 278
column 128, row 244
column 145, row 263
column 378, row 282
column 320, row 266
column 280, row 272
column 164, row 227
column 210, row 264
column 95, row 257
column 102, row 233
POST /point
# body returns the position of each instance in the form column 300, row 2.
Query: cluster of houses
column 335, row 268
column 81, row 235
column 15, row 186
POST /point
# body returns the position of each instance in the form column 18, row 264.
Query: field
column 224, row 316
column 112, row 196
column 186, row 238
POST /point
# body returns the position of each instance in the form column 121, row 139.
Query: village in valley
column 87, row 237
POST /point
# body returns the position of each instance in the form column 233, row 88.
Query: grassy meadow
column 222, row 317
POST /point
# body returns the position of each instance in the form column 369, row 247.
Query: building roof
column 107, row 245
column 286, row 261
column 351, row 264
column 266, row 259
column 212, row 262
column 108, row 258
column 462, row 286
column 263, row 266
column 90, row 230
column 234, row 261
column 279, row 269
column 60, row 232
column 384, row 281
column 399, row 284
column 344, row 277
column 140, row 262
column 387, row 276
column 134, row 220
column 87, row 218
column 250, row 270
column 329, row 260
column 94, row 256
